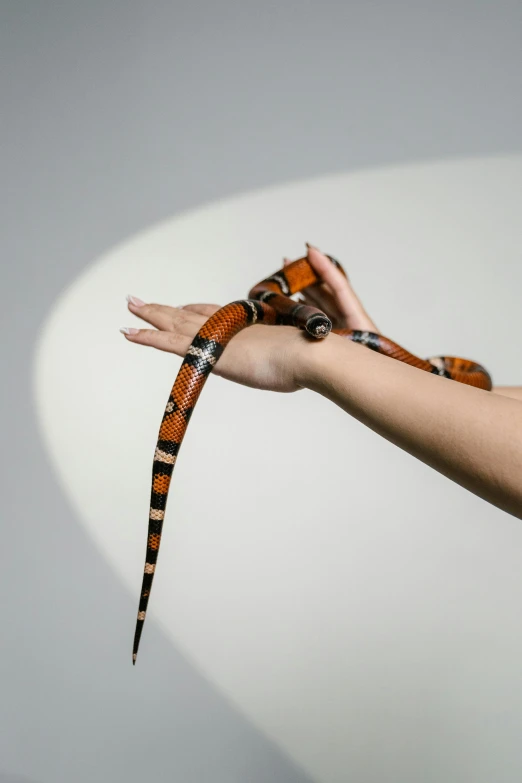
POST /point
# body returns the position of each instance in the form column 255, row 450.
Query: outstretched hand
column 277, row 358
column 264, row 357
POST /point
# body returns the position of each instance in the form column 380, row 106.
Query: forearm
column 472, row 436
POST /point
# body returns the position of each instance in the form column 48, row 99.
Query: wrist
column 315, row 358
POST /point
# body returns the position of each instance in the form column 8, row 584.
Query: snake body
column 269, row 302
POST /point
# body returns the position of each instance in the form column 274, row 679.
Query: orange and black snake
column 269, row 302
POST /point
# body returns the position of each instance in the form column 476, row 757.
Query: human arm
column 471, row 436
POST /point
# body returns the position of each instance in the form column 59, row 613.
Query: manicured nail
column 129, row 330
column 310, row 247
column 286, row 260
column 135, row 301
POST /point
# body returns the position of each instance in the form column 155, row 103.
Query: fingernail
column 286, row 260
column 310, row 247
column 135, row 301
column 129, row 330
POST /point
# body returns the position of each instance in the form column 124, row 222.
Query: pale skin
column 471, row 436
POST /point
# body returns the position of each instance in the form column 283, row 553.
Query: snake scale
column 269, row 302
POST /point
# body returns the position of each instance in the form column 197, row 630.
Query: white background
column 117, row 116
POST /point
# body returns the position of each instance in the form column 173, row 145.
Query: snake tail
column 201, row 357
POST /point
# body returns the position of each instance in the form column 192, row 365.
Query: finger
column 162, row 316
column 318, row 294
column 171, row 342
column 321, row 297
column 327, row 271
column 343, row 292
column 202, row 309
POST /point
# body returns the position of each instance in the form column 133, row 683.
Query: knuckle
column 179, row 322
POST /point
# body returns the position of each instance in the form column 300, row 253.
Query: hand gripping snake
column 269, row 302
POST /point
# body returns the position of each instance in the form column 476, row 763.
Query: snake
column 269, row 302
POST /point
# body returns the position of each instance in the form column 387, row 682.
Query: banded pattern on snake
column 269, row 302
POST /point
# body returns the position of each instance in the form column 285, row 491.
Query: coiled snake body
column 269, row 302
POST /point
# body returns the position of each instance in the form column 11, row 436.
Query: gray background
column 119, row 114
